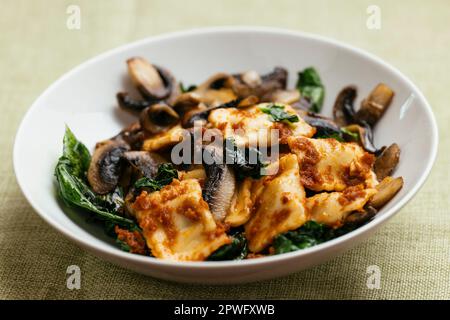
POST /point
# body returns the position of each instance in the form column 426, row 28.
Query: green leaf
column 277, row 113
column 342, row 136
column 76, row 153
column 308, row 235
column 335, row 136
column 166, row 173
column 236, row 250
column 123, row 245
column 311, row 88
column 70, row 175
column 349, row 135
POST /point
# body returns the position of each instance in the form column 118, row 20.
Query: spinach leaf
column 343, row 135
column 70, row 175
column 311, row 88
column 75, row 154
column 236, row 250
column 113, row 201
column 277, row 113
column 349, row 135
column 308, row 235
column 166, row 173
column 335, row 135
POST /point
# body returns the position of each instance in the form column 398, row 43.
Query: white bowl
column 84, row 99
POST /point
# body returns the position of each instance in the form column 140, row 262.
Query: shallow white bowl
column 84, row 99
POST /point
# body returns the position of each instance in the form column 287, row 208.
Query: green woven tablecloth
column 36, row 47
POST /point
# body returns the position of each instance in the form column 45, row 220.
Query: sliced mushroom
column 385, row 164
column 198, row 114
column 146, row 163
column 186, row 102
column 285, row 96
column 106, row 165
column 374, row 106
column 387, row 189
column 248, row 83
column 324, row 126
column 251, row 78
column 154, row 83
column 343, row 110
column 133, row 135
column 361, row 217
column 126, row 102
column 364, row 136
column 158, row 118
column 216, row 82
column 171, row 84
column 201, row 114
column 219, row 185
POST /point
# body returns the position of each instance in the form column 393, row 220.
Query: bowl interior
column 84, row 99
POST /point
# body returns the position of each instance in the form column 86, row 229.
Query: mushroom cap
column 106, row 165
column 153, row 82
column 158, row 118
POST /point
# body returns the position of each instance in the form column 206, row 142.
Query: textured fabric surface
column 412, row 250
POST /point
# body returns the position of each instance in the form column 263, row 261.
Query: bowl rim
column 105, row 249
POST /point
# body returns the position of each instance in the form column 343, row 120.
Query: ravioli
column 164, row 140
column 251, row 126
column 329, row 165
column 241, row 204
column 177, row 224
column 279, row 205
column 332, row 208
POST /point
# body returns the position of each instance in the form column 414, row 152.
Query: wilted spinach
column 311, row 88
column 343, row 135
column 166, row 173
column 277, row 113
column 236, row 250
column 349, row 135
column 70, row 175
column 308, row 235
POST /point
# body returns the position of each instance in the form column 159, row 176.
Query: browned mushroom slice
column 324, row 126
column 146, row 163
column 171, row 84
column 186, row 102
column 126, row 102
column 133, row 135
column 343, row 111
column 158, row 117
column 106, row 165
column 154, row 83
column 285, row 96
column 364, row 136
column 263, row 87
column 373, row 107
column 385, row 164
column 201, row 113
column 219, row 185
column 387, row 189
column 361, row 217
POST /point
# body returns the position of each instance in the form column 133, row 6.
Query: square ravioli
column 177, row 224
column 330, row 165
column 251, row 126
column 332, row 208
column 279, row 205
